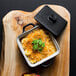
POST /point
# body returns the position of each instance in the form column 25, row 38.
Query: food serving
column 38, row 45
column 33, row 74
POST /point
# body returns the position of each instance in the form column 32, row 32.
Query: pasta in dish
column 38, row 45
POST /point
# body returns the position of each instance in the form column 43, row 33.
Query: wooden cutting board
column 12, row 62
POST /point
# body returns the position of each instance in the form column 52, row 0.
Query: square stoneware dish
column 24, row 34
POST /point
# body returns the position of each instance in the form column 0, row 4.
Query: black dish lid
column 49, row 19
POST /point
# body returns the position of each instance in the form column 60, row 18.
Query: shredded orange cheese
column 35, row 56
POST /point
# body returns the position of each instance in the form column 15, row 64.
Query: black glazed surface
column 55, row 23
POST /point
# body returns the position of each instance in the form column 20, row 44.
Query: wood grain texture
column 12, row 62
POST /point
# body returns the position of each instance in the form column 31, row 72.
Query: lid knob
column 52, row 18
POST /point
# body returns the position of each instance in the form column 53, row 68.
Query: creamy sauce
column 35, row 56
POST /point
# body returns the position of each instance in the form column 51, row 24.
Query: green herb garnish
column 35, row 47
column 40, row 49
column 38, row 45
column 43, row 44
column 35, row 42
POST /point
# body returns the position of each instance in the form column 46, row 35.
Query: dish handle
column 48, row 63
column 28, row 25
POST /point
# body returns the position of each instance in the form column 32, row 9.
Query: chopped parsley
column 38, row 45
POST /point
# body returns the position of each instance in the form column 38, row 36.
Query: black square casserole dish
column 24, row 34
